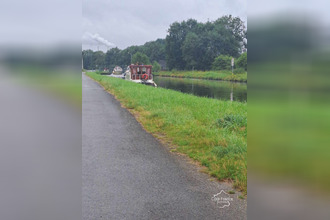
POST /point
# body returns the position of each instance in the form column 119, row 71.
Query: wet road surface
column 128, row 174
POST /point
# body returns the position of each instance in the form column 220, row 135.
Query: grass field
column 216, row 75
column 210, row 131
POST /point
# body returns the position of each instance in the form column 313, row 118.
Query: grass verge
column 210, row 131
column 215, row 75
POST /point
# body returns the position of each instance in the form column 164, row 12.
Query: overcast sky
column 124, row 23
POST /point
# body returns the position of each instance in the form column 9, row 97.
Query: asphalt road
column 128, row 174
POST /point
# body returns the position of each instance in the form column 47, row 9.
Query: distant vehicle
column 140, row 74
column 117, row 73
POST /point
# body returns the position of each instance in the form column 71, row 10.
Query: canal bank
column 224, row 75
column 210, row 131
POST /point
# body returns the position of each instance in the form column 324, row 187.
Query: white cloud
column 95, row 39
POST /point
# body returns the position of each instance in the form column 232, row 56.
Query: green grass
column 216, row 75
column 210, row 131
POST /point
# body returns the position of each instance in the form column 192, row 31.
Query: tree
column 155, row 50
column 111, row 58
column 222, row 62
column 88, row 59
column 99, row 60
column 191, row 51
column 237, row 30
column 174, row 41
column 192, row 44
column 242, row 61
column 155, row 66
column 140, row 58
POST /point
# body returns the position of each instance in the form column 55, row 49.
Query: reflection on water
column 207, row 88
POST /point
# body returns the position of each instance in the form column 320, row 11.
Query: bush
column 222, row 62
column 242, row 61
column 156, row 67
column 239, row 71
column 140, row 58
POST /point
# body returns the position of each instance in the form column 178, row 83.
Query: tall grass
column 216, row 75
column 210, row 131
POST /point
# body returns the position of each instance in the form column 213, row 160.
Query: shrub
column 242, row 61
column 140, row 58
column 222, row 62
column 156, row 67
column 239, row 71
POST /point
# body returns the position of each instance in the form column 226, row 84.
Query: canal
column 224, row 90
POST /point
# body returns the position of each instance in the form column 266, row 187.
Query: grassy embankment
column 210, row 131
column 215, row 75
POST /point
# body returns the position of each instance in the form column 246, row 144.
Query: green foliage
column 93, row 60
column 112, row 58
column 174, row 41
column 239, row 71
column 155, row 50
column 140, row 58
column 193, row 44
column 87, row 56
column 222, row 62
column 155, row 66
column 241, row 62
column 237, row 77
column 98, row 60
column 191, row 54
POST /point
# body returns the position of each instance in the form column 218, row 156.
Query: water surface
column 224, row 90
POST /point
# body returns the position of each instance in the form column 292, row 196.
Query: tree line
column 149, row 53
column 188, row 45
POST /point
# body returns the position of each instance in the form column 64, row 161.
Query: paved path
column 128, row 174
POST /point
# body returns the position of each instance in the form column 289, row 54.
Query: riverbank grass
column 215, row 75
column 210, row 131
